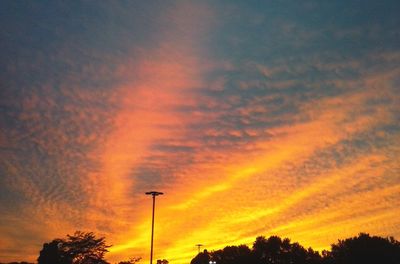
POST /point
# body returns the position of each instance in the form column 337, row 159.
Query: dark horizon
column 363, row 248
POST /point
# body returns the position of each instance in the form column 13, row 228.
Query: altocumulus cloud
column 254, row 118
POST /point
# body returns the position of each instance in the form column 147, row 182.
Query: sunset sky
column 253, row 117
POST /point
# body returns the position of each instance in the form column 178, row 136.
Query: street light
column 199, row 246
column 153, row 194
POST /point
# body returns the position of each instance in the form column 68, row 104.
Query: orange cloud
column 251, row 191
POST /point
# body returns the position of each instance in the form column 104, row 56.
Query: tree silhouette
column 364, row 249
column 273, row 250
column 85, row 248
column 79, row 248
column 276, row 250
column 201, row 258
column 233, row 255
column 52, row 253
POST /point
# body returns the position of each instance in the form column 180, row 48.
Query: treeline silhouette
column 362, row 249
column 85, row 248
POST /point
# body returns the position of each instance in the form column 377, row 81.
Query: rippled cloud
column 254, row 120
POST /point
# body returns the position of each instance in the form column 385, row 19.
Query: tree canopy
column 79, row 248
column 365, row 249
column 274, row 250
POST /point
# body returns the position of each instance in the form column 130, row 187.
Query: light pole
column 198, row 247
column 153, row 194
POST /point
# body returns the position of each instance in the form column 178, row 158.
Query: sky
column 253, row 117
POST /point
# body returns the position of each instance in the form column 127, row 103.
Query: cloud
column 248, row 128
column 307, row 153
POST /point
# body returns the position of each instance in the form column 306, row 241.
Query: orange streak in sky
column 224, row 197
column 207, row 208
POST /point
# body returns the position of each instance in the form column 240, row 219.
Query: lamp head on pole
column 154, row 193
